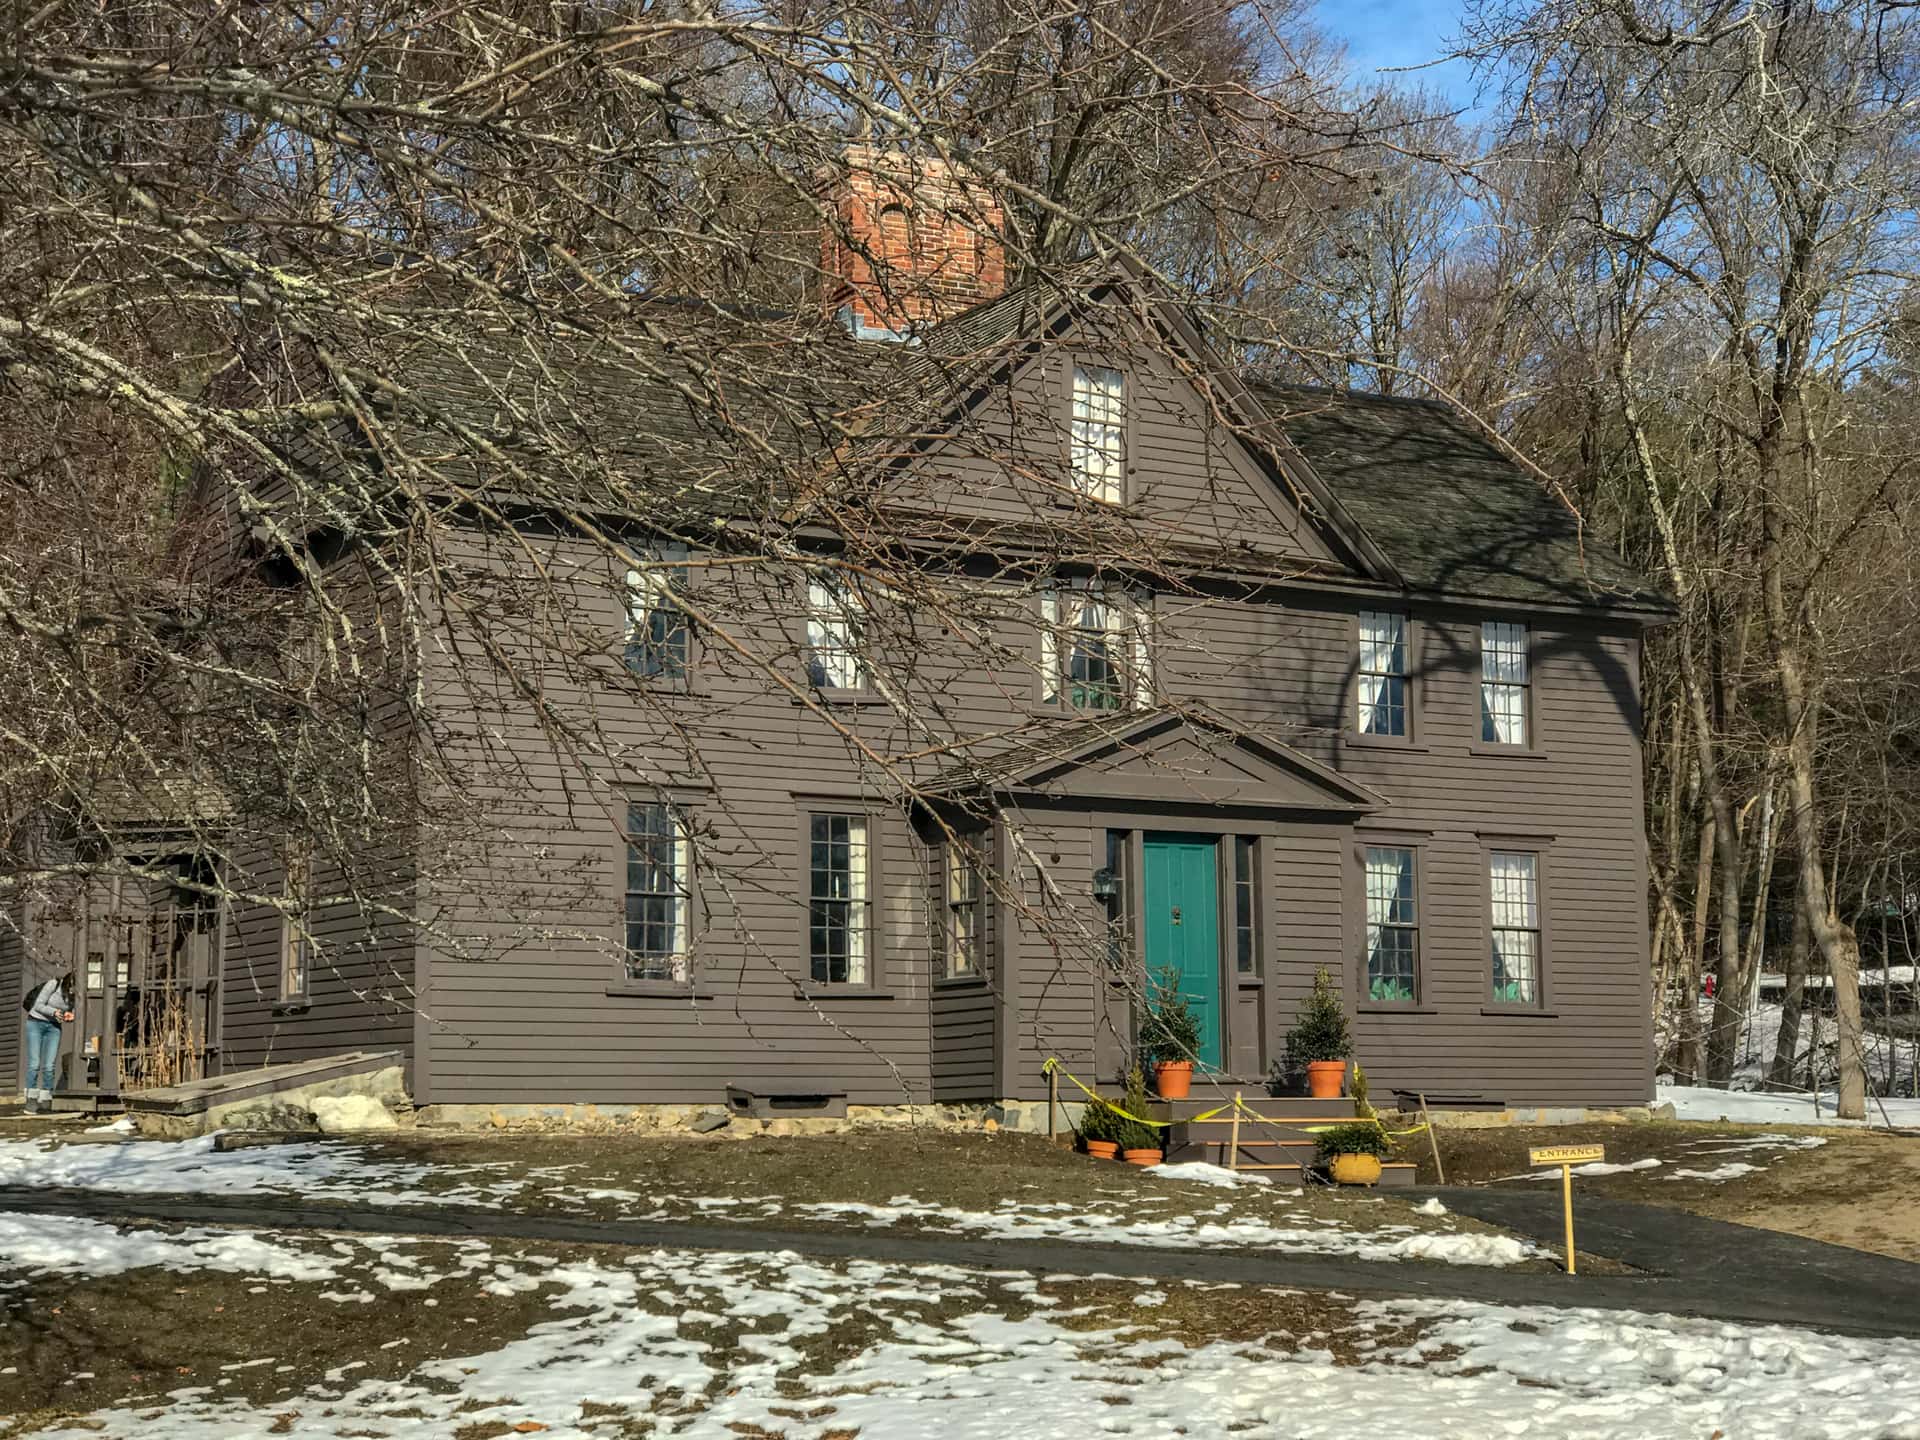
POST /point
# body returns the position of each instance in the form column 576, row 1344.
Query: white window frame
column 964, row 912
column 1381, row 662
column 671, row 964
column 1515, row 919
column 652, row 593
column 858, row 902
column 1506, row 684
column 1385, row 915
column 835, row 636
column 1121, row 620
column 1097, row 432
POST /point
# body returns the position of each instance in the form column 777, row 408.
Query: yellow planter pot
column 1356, row 1169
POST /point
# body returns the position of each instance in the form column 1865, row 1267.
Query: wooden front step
column 1290, row 1107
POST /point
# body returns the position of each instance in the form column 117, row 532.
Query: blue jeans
column 43, row 1048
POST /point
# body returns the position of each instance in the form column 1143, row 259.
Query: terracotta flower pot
column 1141, row 1157
column 1324, row 1078
column 1356, row 1169
column 1173, row 1079
column 1103, row 1149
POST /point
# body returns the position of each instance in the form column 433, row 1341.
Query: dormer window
column 1098, row 433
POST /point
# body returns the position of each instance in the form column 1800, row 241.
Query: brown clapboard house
column 1372, row 706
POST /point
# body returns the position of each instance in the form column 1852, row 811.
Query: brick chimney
column 910, row 240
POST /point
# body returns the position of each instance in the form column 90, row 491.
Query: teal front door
column 1182, row 899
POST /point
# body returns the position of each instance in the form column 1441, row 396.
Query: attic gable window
column 1098, row 433
column 1093, row 651
column 835, row 637
column 1382, row 674
column 659, row 634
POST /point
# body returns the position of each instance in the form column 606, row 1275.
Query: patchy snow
column 1468, row 1248
column 1205, row 1174
column 123, row 1126
column 1593, row 1169
column 1430, row 1206
column 1750, row 1107
column 810, row 1350
column 38, row 1244
column 1217, row 1228
column 1732, row 1170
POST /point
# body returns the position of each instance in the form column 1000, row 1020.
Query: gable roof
column 1420, row 498
column 1175, row 756
column 1457, row 516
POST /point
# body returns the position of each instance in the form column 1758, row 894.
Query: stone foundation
column 1027, row 1116
column 1523, row 1115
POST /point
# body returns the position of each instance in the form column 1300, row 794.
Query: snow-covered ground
column 1752, row 1107
column 1892, row 1062
column 1166, row 1216
column 718, row 1346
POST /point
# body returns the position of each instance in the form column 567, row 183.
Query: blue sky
column 1398, row 32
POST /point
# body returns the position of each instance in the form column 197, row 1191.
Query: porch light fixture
column 1106, row 883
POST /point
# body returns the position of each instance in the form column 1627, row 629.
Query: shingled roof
column 1455, row 515
column 701, row 413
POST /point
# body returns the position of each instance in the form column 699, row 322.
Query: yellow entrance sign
column 1566, row 1154
column 1566, row 1157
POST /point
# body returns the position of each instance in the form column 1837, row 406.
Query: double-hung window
column 657, row 893
column 1393, row 925
column 296, row 926
column 1098, row 433
column 659, row 635
column 835, row 636
column 1093, row 651
column 1504, row 683
column 964, row 910
column 1513, row 878
column 838, row 910
column 1382, row 689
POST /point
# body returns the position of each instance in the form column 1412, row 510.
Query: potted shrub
column 1169, row 1039
column 1139, row 1142
column 1320, row 1040
column 1100, row 1130
column 1352, row 1152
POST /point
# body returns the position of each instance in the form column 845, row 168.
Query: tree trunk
column 1780, row 1074
column 1687, row 1050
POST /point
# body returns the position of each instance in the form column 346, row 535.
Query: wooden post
column 1566, row 1202
column 1233, row 1145
column 1053, row 1106
column 1439, row 1170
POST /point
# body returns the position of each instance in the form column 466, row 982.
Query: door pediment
column 1170, row 758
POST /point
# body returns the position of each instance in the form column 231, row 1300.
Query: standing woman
column 47, row 1007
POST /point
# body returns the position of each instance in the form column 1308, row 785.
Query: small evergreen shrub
column 1170, row 1031
column 1321, row 1032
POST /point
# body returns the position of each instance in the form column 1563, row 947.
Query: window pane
column 1097, row 439
column 1392, row 924
column 833, row 638
column 1513, row 880
column 837, row 898
column 1382, row 671
column 1503, row 683
column 658, row 634
column 1245, row 959
column 656, row 938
